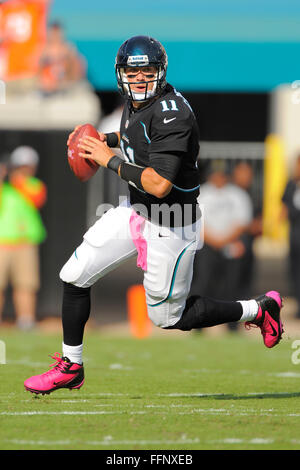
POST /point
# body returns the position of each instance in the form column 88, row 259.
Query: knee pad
column 167, row 313
column 72, row 272
column 159, row 315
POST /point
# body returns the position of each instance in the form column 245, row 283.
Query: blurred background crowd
column 236, row 63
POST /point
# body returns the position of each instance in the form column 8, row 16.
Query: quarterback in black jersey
column 160, row 223
column 163, row 135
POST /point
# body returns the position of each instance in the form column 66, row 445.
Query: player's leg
column 87, row 265
column 106, row 245
column 169, row 273
column 263, row 312
column 167, row 283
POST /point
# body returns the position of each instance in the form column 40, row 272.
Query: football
column 83, row 168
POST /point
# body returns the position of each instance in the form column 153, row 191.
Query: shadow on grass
column 229, row 396
column 200, row 396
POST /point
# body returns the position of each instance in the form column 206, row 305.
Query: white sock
column 74, row 353
column 250, row 309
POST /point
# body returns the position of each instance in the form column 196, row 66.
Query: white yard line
column 104, row 442
column 203, row 411
column 110, row 442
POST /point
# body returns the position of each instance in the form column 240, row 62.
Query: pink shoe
column 64, row 374
column 268, row 318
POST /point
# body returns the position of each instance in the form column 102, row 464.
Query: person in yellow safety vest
column 21, row 231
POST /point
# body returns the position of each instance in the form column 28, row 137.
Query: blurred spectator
column 42, row 65
column 227, row 215
column 242, row 176
column 61, row 66
column 291, row 210
column 21, row 231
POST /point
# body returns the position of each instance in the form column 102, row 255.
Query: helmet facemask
column 125, row 85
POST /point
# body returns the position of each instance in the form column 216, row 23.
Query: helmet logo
column 138, row 59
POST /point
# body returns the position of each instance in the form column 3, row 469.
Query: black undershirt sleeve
column 166, row 165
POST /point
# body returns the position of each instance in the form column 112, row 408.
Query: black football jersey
column 164, row 135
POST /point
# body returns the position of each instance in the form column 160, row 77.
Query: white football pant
column 170, row 255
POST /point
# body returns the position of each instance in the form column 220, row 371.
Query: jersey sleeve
column 171, row 127
column 170, row 135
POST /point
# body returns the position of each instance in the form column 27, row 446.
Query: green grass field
column 170, row 391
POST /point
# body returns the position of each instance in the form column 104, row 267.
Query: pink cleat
column 64, row 374
column 268, row 318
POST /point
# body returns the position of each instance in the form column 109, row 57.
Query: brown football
column 83, row 168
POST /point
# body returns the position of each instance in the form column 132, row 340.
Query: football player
column 160, row 223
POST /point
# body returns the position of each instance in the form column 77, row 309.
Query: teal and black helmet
column 141, row 51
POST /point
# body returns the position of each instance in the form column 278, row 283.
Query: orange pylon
column 140, row 324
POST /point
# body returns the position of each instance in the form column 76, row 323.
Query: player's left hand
column 98, row 151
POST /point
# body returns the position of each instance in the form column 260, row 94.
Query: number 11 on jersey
column 165, row 105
